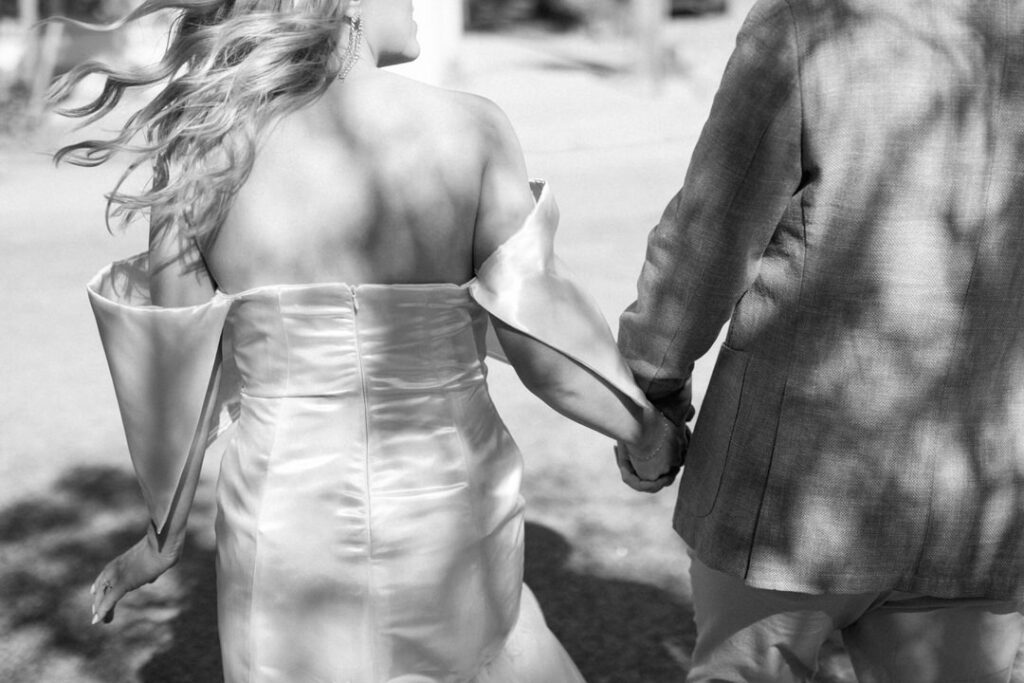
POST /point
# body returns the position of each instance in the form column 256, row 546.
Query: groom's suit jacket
column 855, row 205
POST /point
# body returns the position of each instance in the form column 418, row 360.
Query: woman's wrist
column 168, row 546
column 654, row 439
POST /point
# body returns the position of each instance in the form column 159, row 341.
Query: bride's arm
column 177, row 271
column 177, row 277
column 571, row 389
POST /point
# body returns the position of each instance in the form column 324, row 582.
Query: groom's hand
column 654, row 462
column 633, row 480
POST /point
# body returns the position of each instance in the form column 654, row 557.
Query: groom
column 855, row 206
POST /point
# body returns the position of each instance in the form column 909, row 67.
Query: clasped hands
column 653, row 462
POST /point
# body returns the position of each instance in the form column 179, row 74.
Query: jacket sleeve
column 526, row 286
column 166, row 368
column 706, row 250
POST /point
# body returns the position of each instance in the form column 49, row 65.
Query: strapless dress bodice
column 331, row 339
column 370, row 523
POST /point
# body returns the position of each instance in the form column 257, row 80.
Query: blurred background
column 608, row 98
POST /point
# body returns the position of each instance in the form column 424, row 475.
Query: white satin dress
column 370, row 522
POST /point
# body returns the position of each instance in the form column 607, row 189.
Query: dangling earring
column 352, row 50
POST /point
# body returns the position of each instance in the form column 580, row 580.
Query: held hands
column 139, row 565
column 653, row 462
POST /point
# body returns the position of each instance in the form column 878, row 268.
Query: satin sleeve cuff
column 165, row 365
column 526, row 286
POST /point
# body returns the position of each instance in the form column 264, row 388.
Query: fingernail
column 95, row 619
column 92, row 589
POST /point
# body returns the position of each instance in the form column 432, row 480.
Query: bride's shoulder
column 456, row 108
column 491, row 124
column 486, row 113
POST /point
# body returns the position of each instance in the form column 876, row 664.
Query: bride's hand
column 139, row 565
column 652, row 463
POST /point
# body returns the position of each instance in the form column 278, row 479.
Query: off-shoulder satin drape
column 369, row 516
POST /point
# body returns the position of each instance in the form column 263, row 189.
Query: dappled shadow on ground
column 193, row 652
column 615, row 630
column 53, row 545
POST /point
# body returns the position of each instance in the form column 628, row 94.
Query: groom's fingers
column 633, row 480
column 650, row 471
column 659, row 483
column 626, row 465
column 626, row 468
column 645, row 486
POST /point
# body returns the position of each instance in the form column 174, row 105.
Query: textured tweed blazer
column 855, row 205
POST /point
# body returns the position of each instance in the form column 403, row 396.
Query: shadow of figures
column 616, row 631
column 193, row 654
column 52, row 546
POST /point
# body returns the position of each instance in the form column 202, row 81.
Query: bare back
column 380, row 181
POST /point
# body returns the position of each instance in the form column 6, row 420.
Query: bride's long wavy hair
column 231, row 67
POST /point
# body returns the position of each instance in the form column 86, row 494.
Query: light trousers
column 751, row 634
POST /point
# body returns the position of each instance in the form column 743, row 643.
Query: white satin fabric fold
column 525, row 285
column 165, row 363
column 370, row 525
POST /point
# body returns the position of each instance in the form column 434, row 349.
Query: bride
column 331, row 246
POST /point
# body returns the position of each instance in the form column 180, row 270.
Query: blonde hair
column 231, row 66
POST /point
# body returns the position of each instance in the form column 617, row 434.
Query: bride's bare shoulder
column 455, row 110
